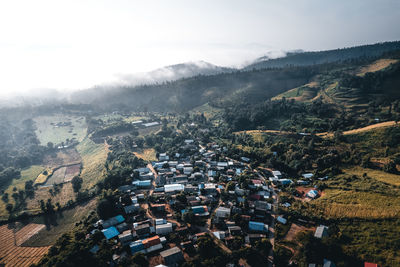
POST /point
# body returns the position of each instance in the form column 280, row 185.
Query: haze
column 71, row 45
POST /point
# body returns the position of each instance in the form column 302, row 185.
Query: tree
column 140, row 260
column 188, row 217
column 50, row 145
column 9, row 208
column 76, row 183
column 4, row 197
column 105, row 209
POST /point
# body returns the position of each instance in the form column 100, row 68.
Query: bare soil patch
column 62, row 158
column 295, row 229
column 71, row 172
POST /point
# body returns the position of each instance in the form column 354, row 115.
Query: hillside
column 344, row 84
column 320, row 57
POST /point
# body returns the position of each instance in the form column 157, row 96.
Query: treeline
column 281, row 114
column 19, row 148
column 321, row 57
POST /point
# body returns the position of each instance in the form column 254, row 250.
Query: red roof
column 368, row 264
column 256, row 181
column 152, row 241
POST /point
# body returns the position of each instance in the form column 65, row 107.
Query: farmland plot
column 11, row 251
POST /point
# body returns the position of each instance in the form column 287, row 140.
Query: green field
column 48, row 130
column 26, row 175
column 372, row 241
column 354, row 195
column 93, row 158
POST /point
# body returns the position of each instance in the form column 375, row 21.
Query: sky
column 76, row 44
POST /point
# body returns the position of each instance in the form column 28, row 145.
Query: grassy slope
column 93, row 159
column 64, row 223
column 49, row 133
column 148, row 154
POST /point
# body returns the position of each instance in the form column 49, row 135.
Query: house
column 321, row 231
column 164, row 229
column 151, row 124
column 146, row 176
column 173, row 188
column 301, row 182
column 131, row 208
column 191, row 188
column 152, row 244
column 157, row 207
column 223, row 212
column 142, row 184
column 126, row 237
column 137, row 246
column 234, row 230
column 122, row 227
column 368, row 264
column 263, row 205
column 281, row 220
column 328, row 263
column 308, row 175
column 211, row 189
column 110, row 232
column 285, row 181
column 258, row 227
column 222, row 165
column 163, row 157
column 198, row 210
column 312, row 194
column 277, row 174
column 142, row 230
column 219, row 234
column 252, row 238
column 245, row 159
column 211, row 173
column 189, row 141
column 187, row 170
column 172, row 256
column 113, row 221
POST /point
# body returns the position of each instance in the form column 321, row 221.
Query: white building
column 164, row 229
column 172, row 188
column 223, row 212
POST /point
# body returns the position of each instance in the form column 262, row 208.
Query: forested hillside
column 320, row 57
column 352, row 80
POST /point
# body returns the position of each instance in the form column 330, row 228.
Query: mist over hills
column 257, row 82
column 185, row 86
column 302, row 58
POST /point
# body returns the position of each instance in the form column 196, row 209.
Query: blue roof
column 142, row 183
column 120, row 218
column 110, row 232
column 256, row 226
column 136, row 246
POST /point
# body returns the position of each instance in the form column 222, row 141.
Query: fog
column 73, row 45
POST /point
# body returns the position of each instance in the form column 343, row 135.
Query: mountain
column 300, row 58
column 172, row 73
column 335, row 78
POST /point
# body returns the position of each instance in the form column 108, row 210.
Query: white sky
column 77, row 44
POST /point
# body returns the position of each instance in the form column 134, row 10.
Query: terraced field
column 11, row 251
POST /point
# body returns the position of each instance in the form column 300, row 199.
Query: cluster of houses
column 210, row 183
column 147, row 222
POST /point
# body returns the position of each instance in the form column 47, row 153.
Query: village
column 186, row 197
